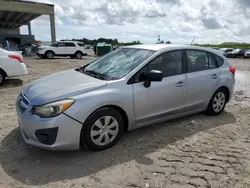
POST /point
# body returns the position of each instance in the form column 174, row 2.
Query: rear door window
column 197, row 60
column 69, row 44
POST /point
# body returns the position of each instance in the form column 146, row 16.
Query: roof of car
column 158, row 47
column 154, row 47
column 71, row 41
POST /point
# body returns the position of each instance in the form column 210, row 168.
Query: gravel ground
column 190, row 152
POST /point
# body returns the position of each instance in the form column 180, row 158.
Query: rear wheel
column 49, row 55
column 78, row 55
column 102, row 129
column 2, row 77
column 217, row 102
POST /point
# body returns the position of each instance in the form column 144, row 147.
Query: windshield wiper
column 95, row 74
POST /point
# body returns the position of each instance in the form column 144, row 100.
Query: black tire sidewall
column 78, row 53
column 85, row 134
column 210, row 109
column 48, row 53
column 3, row 76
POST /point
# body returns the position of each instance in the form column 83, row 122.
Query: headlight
column 52, row 109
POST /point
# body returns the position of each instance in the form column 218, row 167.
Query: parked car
column 24, row 47
column 11, row 64
column 247, row 54
column 226, row 50
column 215, row 48
column 128, row 88
column 72, row 49
column 236, row 53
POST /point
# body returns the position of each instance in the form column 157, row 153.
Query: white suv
column 63, row 48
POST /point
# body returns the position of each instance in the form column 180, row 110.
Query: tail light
column 17, row 57
column 232, row 69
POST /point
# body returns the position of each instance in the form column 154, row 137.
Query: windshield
column 236, row 50
column 54, row 44
column 118, row 63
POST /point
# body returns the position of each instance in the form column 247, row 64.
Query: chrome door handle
column 179, row 84
column 214, row 76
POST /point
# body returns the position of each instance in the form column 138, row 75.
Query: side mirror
column 153, row 76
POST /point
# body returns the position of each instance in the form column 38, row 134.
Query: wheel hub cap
column 219, row 101
column 104, row 130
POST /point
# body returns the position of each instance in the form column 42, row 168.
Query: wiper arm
column 95, row 74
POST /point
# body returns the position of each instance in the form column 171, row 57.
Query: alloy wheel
column 50, row 55
column 219, row 102
column 78, row 56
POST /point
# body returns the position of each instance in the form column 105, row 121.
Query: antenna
column 159, row 39
column 192, row 41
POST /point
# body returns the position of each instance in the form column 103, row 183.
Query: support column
column 29, row 28
column 52, row 28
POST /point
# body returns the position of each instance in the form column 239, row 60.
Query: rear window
column 80, row 44
column 219, row 60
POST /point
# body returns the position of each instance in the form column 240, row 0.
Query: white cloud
column 210, row 21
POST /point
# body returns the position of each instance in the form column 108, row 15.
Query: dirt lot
column 195, row 151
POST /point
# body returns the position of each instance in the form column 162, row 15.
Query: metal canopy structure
column 14, row 14
column 14, row 20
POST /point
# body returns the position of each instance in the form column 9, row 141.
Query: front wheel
column 217, row 102
column 50, row 55
column 102, row 129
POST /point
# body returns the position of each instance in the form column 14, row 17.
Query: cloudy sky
column 208, row 21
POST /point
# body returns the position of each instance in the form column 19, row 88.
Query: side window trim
column 132, row 78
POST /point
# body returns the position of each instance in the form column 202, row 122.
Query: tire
column 49, row 55
column 98, row 127
column 217, row 102
column 78, row 55
column 2, row 77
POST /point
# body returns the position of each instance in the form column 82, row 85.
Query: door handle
column 214, row 76
column 179, row 84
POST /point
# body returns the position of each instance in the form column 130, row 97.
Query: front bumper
column 38, row 54
column 57, row 133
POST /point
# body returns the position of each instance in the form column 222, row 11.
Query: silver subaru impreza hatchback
column 129, row 88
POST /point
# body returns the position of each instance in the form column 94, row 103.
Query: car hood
column 61, row 85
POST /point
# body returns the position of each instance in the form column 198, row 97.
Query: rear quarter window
column 219, row 60
column 80, row 44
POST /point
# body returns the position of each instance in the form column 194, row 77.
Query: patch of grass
column 242, row 46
